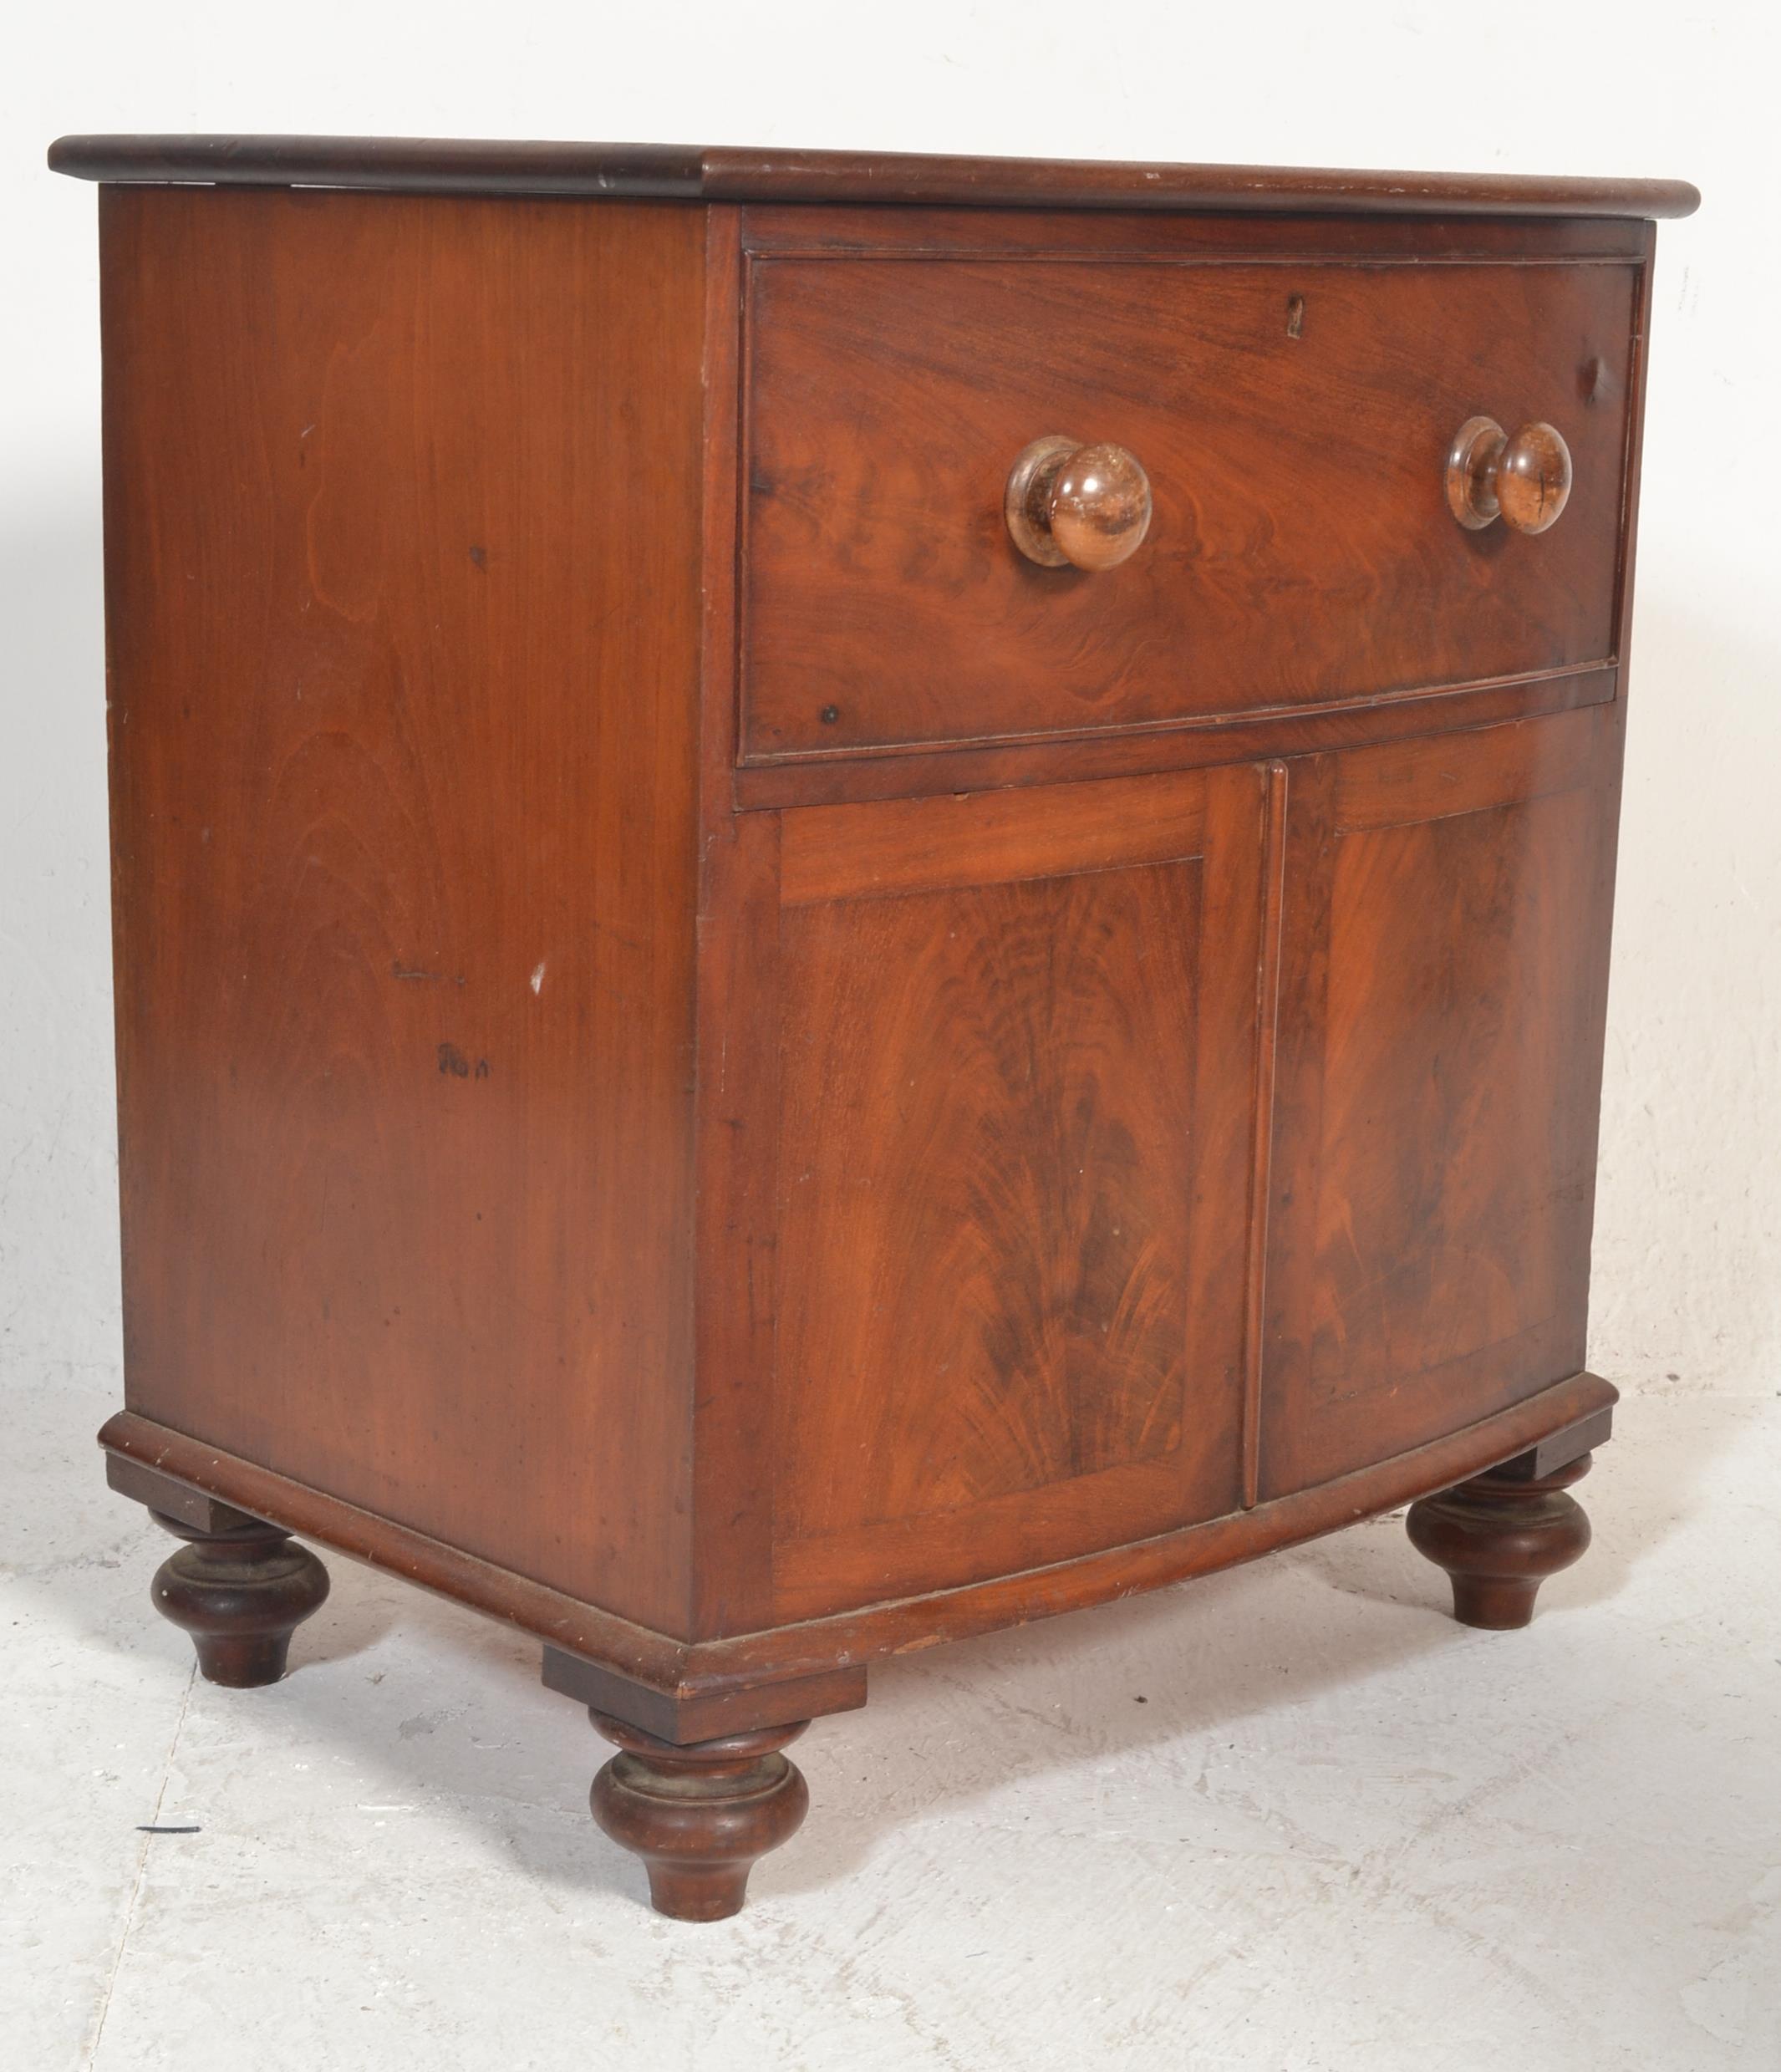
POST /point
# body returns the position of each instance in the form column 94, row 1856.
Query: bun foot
column 241, row 1591
column 1499, row 1536
column 699, row 1816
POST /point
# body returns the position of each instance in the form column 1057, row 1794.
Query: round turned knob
column 1074, row 506
column 1525, row 480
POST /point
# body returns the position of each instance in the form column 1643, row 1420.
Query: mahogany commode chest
column 854, row 898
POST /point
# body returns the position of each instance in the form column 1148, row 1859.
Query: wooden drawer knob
column 1077, row 506
column 1525, row 480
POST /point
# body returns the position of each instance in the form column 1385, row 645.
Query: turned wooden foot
column 699, row 1816
column 240, row 1591
column 1500, row 1535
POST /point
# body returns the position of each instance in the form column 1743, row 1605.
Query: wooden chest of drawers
column 854, row 898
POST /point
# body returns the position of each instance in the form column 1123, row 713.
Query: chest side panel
column 403, row 680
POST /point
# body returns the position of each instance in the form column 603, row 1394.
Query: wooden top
column 730, row 173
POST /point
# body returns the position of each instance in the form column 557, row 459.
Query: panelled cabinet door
column 1017, row 1049
column 1442, row 997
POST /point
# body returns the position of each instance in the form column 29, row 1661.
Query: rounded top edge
column 731, row 173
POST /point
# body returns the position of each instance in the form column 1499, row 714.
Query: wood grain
column 1433, row 1137
column 404, row 840
column 679, row 1716
column 988, row 838
column 737, row 1056
column 732, row 173
column 1261, row 1153
column 950, row 1122
column 1010, row 1108
column 732, row 1075
column 745, row 1664
column 938, row 769
column 1166, row 237
column 1300, row 550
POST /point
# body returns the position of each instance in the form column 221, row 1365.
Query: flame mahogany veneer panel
column 1442, row 994
column 1017, row 1063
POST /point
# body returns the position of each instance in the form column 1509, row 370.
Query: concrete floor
column 1290, row 1818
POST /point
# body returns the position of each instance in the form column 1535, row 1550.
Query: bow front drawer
column 989, row 500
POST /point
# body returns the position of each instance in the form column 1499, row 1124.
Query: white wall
column 1687, row 1266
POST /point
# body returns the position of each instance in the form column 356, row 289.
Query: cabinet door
column 1016, row 1066
column 1439, row 1063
